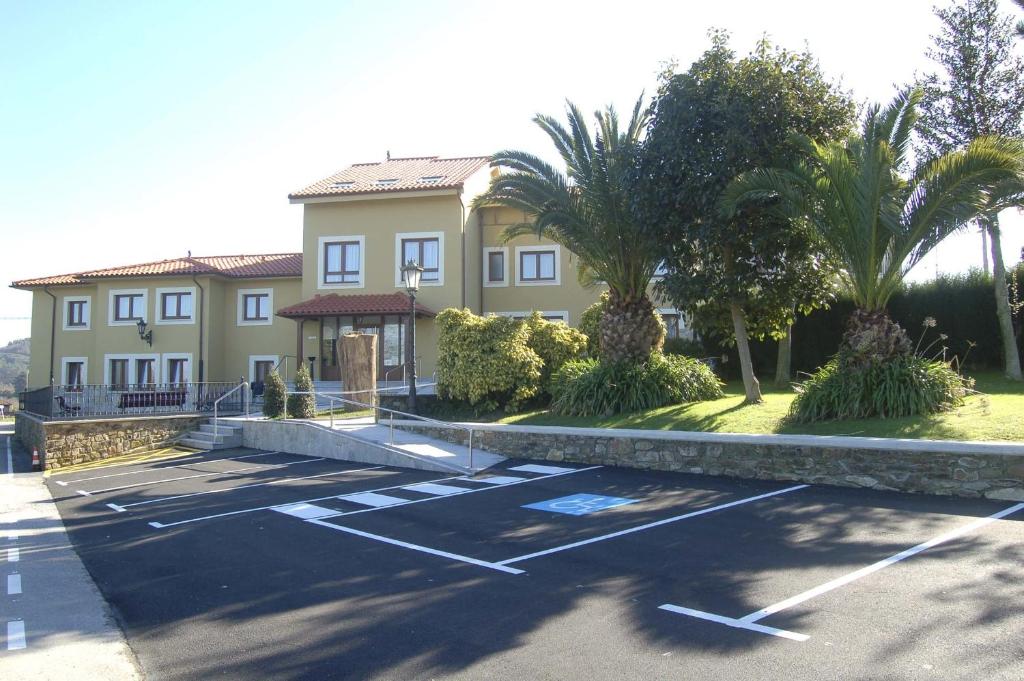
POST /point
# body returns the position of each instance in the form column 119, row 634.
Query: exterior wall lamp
column 143, row 334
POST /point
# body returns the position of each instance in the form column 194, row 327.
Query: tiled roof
column 395, row 175
column 235, row 266
column 372, row 303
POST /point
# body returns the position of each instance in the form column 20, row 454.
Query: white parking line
column 13, row 555
column 13, row 584
column 65, row 483
column 122, row 507
column 199, row 475
column 417, row 547
column 657, row 523
column 436, row 490
column 749, row 621
column 15, row 635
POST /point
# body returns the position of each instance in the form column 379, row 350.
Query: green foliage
column 721, row 117
column 273, row 395
column 684, row 346
column 555, row 343
column 302, row 406
column 587, row 209
column 590, row 324
column 485, row 361
column 13, row 367
column 903, row 386
column 593, row 388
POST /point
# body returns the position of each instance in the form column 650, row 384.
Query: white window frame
column 487, row 266
column 159, row 320
column 532, row 249
column 88, row 312
column 111, row 311
column 64, row 361
column 132, row 358
column 165, row 365
column 260, row 358
column 321, row 264
column 398, row 257
column 523, row 314
column 240, row 319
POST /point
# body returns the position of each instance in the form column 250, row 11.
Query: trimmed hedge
column 555, row 343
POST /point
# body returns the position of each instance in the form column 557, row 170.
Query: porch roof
column 372, row 303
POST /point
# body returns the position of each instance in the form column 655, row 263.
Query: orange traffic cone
column 35, row 460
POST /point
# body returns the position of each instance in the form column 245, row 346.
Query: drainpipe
column 463, row 232
column 480, row 224
column 202, row 311
column 53, row 329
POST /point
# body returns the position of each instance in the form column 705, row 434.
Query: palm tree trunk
column 630, row 329
column 783, row 366
column 984, row 248
column 751, row 386
column 1010, row 356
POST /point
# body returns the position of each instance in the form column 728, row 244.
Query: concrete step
column 222, row 429
column 206, row 445
column 229, row 438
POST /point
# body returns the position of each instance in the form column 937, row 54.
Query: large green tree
column 977, row 91
column 877, row 222
column 586, row 209
column 747, row 274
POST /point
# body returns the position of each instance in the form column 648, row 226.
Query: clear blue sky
column 138, row 131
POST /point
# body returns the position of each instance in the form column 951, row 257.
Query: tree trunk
column 630, row 329
column 783, row 367
column 984, row 248
column 1010, row 356
column 750, row 384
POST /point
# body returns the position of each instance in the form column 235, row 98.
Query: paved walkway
column 56, row 624
column 417, row 444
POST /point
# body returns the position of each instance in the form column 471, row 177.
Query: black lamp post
column 411, row 272
column 148, row 337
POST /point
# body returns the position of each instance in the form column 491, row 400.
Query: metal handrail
column 216, row 404
column 391, row 413
column 392, row 370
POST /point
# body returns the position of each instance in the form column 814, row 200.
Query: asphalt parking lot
column 242, row 564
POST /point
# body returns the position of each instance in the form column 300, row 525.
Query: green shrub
column 590, row 325
column 684, row 346
column 555, row 343
column 906, row 385
column 485, row 361
column 273, row 395
column 592, row 388
column 302, row 406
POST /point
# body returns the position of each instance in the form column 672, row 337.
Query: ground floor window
column 672, row 325
column 390, row 332
column 177, row 371
column 74, row 373
column 119, row 374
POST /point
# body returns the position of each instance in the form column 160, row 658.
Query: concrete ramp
column 362, row 441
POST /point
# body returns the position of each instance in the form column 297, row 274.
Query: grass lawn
column 996, row 413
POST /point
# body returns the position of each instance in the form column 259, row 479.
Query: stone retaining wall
column 64, row 443
column 967, row 469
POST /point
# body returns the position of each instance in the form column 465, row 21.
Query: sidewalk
column 54, row 624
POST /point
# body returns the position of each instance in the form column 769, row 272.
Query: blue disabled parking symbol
column 580, row 504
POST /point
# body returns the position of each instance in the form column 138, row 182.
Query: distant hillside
column 13, row 367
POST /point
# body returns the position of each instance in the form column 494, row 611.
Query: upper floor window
column 129, row 307
column 176, row 305
column 537, row 266
column 254, row 308
column 341, row 262
column 495, row 268
column 426, row 253
column 76, row 313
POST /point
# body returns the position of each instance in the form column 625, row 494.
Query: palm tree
column 586, row 209
column 1020, row 23
column 876, row 222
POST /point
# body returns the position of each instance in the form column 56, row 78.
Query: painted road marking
column 305, row 511
column 121, row 508
column 65, row 483
column 657, row 523
column 13, row 555
column 372, row 499
column 12, row 535
column 273, row 506
column 15, row 635
column 417, row 547
column 733, row 622
column 749, row 621
column 201, row 475
column 580, row 504
column 13, row 584
column 546, row 470
column 437, row 490
column 496, row 479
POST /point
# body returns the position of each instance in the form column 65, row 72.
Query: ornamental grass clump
column 591, row 387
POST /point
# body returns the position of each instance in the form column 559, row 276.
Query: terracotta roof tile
column 371, row 303
column 395, row 175
column 234, row 266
